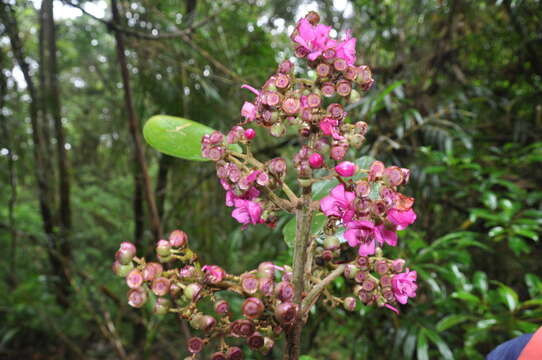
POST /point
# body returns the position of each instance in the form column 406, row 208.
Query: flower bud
column 323, row 70
column 398, row 265
column 322, row 145
column 266, row 269
column 192, row 292
column 175, row 289
column 351, row 73
column 291, row 105
column 277, row 167
column 161, row 306
column 360, row 277
column 205, row 323
column 385, row 281
column 126, row 253
column 282, row 81
column 331, row 243
column 165, row 259
column 137, row 297
column 327, row 255
column 178, row 239
column 340, row 64
column 242, row 328
column 266, row 286
column 365, row 297
column 284, row 291
column 350, row 271
column 151, row 271
column 250, row 133
column 314, row 100
column 163, row 248
column 338, row 152
column 195, row 345
column 218, row 356
column 253, row 308
column 381, row 267
column 272, row 98
column 344, row 88
column 336, row 111
column 363, row 189
column 255, row 341
column 222, row 307
column 249, row 283
column 122, row 270
column 328, row 89
column 365, row 77
column 376, row 170
column 287, row 276
column 160, row 286
column 316, row 161
column 363, row 263
column 329, row 54
column 369, row 285
column 286, row 312
column 235, row 353
column 134, row 279
column 350, row 303
column 187, row 272
column 285, row 67
column 346, row 168
column 213, row 274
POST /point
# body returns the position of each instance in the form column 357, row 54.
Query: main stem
column 302, row 237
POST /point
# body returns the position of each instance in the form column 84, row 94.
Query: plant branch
column 313, row 295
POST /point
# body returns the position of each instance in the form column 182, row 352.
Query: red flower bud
column 151, row 271
column 285, row 67
column 256, row 341
column 235, row 353
column 218, row 356
column 284, row 291
column 266, row 286
column 381, row 267
column 252, row 308
column 249, row 283
column 277, row 167
column 213, row 274
column 195, row 345
column 386, row 281
column 316, row 161
column 350, row 271
column 346, row 169
column 242, row 328
column 369, row 285
column 250, row 133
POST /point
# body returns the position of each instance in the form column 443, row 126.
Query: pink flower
column 248, row 111
column 346, row 49
column 401, row 218
column 330, row 127
column 313, row 38
column 365, row 234
column 247, row 212
column 346, row 168
column 404, row 285
column 213, row 274
column 339, row 203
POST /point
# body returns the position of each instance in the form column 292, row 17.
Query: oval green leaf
column 177, row 136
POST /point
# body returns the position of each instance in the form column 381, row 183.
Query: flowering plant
column 362, row 212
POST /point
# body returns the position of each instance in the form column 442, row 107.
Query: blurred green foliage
column 457, row 100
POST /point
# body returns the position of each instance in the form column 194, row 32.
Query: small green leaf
column 443, row 348
column 451, row 321
column 466, row 296
column 480, row 281
column 533, row 284
column 509, row 297
column 306, row 357
column 177, row 137
column 422, row 349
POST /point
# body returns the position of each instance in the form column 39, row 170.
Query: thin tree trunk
column 139, row 211
column 161, row 183
column 134, row 126
column 52, row 101
column 7, row 14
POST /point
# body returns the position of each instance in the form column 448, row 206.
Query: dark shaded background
column 457, row 99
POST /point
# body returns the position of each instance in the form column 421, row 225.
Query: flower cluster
column 267, row 291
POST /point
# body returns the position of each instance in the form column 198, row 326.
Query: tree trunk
column 51, row 95
column 61, row 287
column 134, row 126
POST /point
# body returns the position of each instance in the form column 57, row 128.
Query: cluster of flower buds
column 267, row 291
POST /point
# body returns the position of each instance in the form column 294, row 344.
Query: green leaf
column 466, row 296
column 451, row 321
column 533, row 284
column 480, row 281
column 288, row 232
column 422, row 349
column 177, row 137
column 509, row 297
column 306, row 357
column 443, row 348
column 518, row 245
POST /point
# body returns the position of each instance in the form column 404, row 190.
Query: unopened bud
column 137, row 297
column 163, row 248
column 338, row 152
column 178, row 238
column 250, row 133
column 284, row 291
column 222, row 307
column 187, row 272
column 134, row 279
column 285, row 67
column 235, row 353
column 252, row 308
column 363, row 263
column 255, row 341
column 282, row 81
column 122, row 270
column 316, row 161
column 369, row 285
column 350, row 271
column 192, row 292
column 126, row 253
column 350, row 303
column 360, row 277
column 328, row 89
column 195, row 345
column 266, row 286
column 286, row 312
column 381, row 267
column 268, row 344
column 340, row 64
column 291, row 105
column 278, row 129
column 161, row 306
column 331, row 243
column 213, row 274
column 322, row 145
column 160, row 286
column 277, row 166
column 344, row 88
column 323, row 70
column 398, row 265
column 242, row 328
column 218, row 356
column 313, row 17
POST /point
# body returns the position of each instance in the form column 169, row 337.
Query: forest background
column 457, row 99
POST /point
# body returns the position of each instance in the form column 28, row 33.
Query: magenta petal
column 351, row 236
column 305, row 29
column 250, row 88
column 387, row 236
column 392, row 308
column 367, row 248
